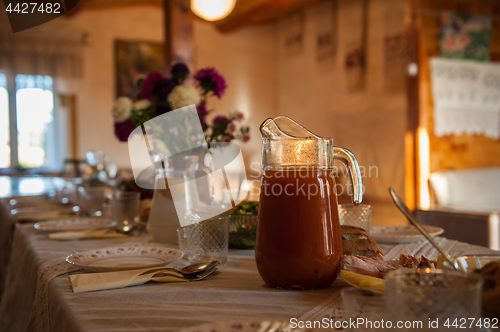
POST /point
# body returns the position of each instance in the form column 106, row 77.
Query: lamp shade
column 212, row 10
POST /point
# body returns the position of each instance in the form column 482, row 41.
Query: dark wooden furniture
column 473, row 227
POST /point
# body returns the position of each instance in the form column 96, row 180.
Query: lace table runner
column 39, row 313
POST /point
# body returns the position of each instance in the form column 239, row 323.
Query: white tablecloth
column 236, row 292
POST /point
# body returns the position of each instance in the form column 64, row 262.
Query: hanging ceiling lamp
column 212, row 10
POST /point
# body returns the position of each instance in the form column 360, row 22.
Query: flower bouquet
column 159, row 94
column 176, row 143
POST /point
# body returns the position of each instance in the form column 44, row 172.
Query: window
column 34, row 144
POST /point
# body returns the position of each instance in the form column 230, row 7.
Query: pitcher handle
column 350, row 162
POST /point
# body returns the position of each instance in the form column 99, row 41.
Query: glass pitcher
column 299, row 243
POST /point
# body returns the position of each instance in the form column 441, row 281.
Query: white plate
column 124, row 258
column 245, row 326
column 74, row 224
column 402, row 234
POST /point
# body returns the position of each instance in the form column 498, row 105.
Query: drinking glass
column 208, row 240
column 69, row 193
column 359, row 216
column 433, row 298
column 91, row 200
column 183, row 245
column 123, row 207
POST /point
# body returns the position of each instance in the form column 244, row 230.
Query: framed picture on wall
column 465, row 36
column 133, row 59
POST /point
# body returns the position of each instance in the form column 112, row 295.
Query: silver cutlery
column 189, row 271
column 188, row 278
column 197, row 268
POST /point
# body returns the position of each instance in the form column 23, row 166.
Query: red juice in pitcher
column 298, row 236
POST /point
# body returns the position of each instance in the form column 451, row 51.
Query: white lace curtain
column 54, row 49
column 466, row 97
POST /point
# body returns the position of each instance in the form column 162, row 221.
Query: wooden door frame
column 412, row 105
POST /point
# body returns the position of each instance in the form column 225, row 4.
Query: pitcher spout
column 285, row 128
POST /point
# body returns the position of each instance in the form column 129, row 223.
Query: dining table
column 36, row 294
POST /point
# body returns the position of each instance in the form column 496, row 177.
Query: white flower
column 141, row 104
column 183, row 95
column 122, row 108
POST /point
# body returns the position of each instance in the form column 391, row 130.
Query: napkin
column 81, row 235
column 112, row 280
column 43, row 215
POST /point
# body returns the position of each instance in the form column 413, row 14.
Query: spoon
column 194, row 269
column 197, row 268
column 200, row 276
column 406, row 211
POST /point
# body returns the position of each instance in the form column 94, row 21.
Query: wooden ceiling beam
column 249, row 12
column 246, row 12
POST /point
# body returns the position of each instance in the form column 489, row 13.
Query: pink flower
column 209, row 79
column 123, row 130
column 149, row 84
column 227, row 138
column 245, row 138
column 221, row 119
column 231, row 128
column 240, row 116
column 179, row 71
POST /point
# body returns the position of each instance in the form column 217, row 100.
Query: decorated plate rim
column 42, row 225
column 170, row 255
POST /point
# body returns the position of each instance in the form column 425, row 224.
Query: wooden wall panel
column 453, row 152
column 178, row 33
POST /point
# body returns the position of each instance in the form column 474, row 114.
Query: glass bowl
column 242, row 231
column 491, row 286
column 426, row 295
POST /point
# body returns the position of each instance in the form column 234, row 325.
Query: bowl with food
column 488, row 268
column 243, row 226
